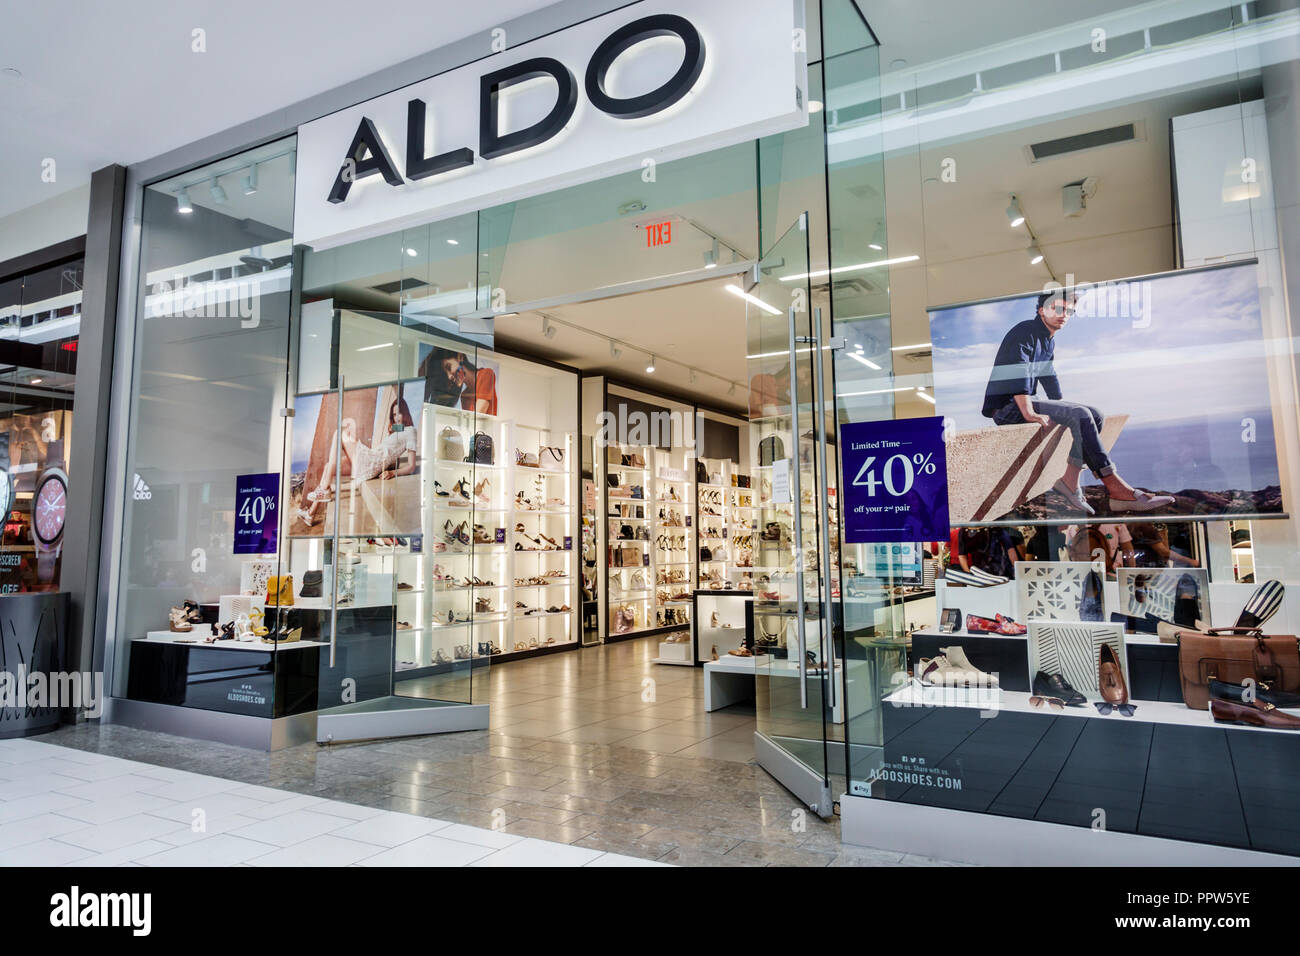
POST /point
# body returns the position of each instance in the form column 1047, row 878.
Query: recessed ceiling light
column 411, row 252
column 453, row 242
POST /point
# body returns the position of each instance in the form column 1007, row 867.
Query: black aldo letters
column 367, row 155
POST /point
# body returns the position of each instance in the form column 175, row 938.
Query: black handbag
column 482, row 451
column 770, row 449
column 312, row 582
column 705, row 553
column 701, row 473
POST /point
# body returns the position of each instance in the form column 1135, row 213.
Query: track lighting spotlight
column 218, row 193
column 1035, row 254
column 548, row 330
column 877, row 242
column 1014, row 213
column 183, row 205
column 250, row 181
column 614, row 351
column 650, row 369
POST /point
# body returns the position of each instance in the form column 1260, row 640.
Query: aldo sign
column 647, row 82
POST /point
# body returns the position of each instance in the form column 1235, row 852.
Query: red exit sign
column 658, row 234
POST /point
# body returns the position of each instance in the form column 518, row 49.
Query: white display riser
column 1226, row 602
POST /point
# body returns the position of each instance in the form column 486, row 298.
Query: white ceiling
column 932, row 30
column 699, row 324
column 109, row 83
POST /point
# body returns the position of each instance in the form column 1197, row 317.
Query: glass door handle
column 338, row 499
column 819, row 435
column 801, row 622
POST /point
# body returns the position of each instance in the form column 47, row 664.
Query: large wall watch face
column 50, row 509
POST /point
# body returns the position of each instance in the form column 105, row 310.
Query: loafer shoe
column 1255, row 714
column 1073, row 496
column 1144, row 501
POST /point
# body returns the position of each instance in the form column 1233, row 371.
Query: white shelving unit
column 621, row 582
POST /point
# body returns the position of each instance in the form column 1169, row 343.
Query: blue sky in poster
column 1183, row 355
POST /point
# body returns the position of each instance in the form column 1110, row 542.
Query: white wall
column 56, row 219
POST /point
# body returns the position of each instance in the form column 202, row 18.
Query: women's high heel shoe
column 440, row 491
column 482, row 491
column 462, row 497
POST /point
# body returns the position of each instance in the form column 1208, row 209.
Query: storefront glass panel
column 204, row 617
column 1099, row 314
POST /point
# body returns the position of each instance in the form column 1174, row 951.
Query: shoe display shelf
column 720, row 619
column 621, row 593
column 542, row 615
column 726, row 507
column 675, row 531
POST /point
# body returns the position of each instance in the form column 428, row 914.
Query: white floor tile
column 220, row 850
column 291, row 828
column 115, row 808
column 295, row 804
column 479, row 836
column 213, row 805
column 429, row 850
column 105, row 837
column 35, row 804
column 390, row 829
column 193, row 789
column 40, row 827
column 123, row 855
column 349, row 811
column 104, row 789
column 43, row 853
column 530, row 852
column 212, row 825
column 265, row 794
column 326, row 850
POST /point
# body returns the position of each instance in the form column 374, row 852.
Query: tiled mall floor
column 65, row 807
column 582, row 751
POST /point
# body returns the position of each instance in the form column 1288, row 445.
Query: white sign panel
column 781, row 494
column 655, row 81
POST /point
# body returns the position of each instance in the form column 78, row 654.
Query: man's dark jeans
column 1084, row 423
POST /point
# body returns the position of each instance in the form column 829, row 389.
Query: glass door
column 795, row 662
column 408, row 526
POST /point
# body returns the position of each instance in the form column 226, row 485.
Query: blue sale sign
column 257, row 513
column 895, row 481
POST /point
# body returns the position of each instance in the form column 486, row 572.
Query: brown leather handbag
column 1231, row 655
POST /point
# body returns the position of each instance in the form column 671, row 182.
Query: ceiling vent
column 846, row 287
column 402, row 285
column 1095, row 139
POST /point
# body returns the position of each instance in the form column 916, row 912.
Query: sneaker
column 957, row 658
